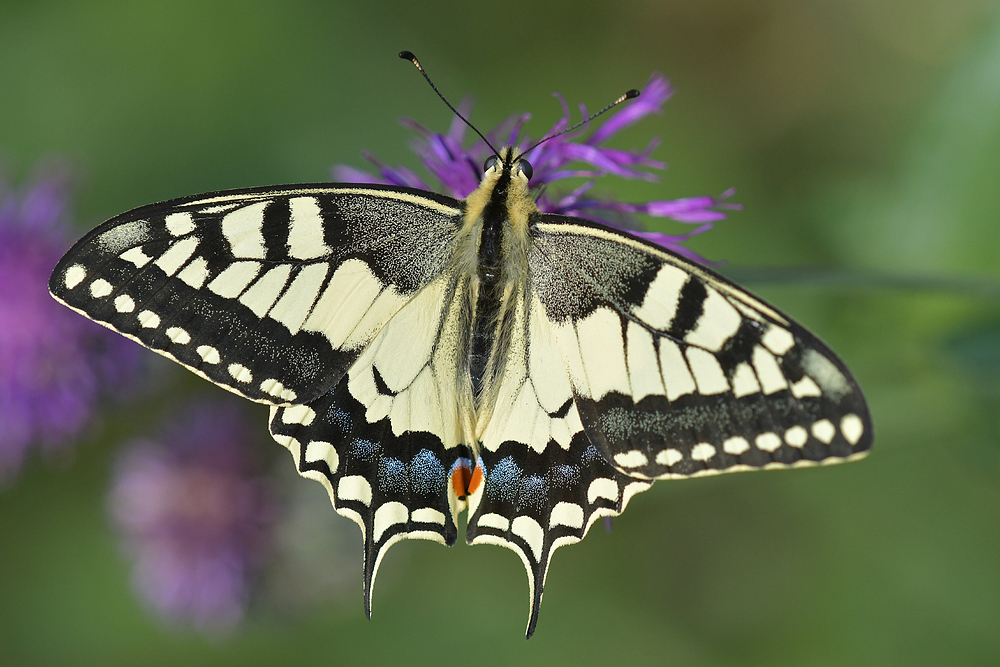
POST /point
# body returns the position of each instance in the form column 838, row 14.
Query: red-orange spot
column 464, row 479
column 477, row 479
column 460, row 478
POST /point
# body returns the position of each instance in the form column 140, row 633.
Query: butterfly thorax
column 492, row 260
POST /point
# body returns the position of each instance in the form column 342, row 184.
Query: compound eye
column 524, row 167
column 491, row 162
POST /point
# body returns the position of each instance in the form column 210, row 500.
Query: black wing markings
column 158, row 274
column 782, row 396
column 393, row 486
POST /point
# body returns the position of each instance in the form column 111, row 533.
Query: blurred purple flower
column 196, row 516
column 54, row 365
column 459, row 169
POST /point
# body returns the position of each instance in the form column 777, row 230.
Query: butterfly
column 424, row 356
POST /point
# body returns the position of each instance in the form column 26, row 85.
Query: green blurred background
column 863, row 137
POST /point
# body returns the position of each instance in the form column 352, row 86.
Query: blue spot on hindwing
column 534, row 492
column 591, row 454
column 366, row 450
column 427, row 473
column 503, row 481
column 340, row 418
column 563, row 476
column 392, row 475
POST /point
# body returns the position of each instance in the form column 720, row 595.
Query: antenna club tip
column 632, row 94
column 407, row 55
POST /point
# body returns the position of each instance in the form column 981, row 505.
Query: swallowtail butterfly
column 423, row 356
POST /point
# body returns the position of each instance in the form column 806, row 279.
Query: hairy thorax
column 492, row 271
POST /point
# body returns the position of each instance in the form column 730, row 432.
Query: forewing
column 270, row 292
column 677, row 372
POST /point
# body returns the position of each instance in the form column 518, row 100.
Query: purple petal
column 402, row 176
column 572, row 198
column 692, row 209
column 346, row 174
column 611, row 161
column 656, row 92
column 674, row 243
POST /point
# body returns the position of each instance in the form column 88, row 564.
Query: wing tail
column 535, row 503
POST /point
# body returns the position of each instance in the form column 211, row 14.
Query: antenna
column 628, row 95
column 406, row 55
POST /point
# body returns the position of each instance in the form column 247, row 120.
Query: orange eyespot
column 466, row 480
column 477, row 478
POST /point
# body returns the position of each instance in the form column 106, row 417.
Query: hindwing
column 386, row 442
column 537, row 501
column 272, row 293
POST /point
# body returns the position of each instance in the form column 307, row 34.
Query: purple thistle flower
column 459, row 169
column 195, row 516
column 54, row 365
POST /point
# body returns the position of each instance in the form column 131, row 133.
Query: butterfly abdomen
column 500, row 227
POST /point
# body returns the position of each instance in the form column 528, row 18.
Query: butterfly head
column 504, row 190
column 509, row 161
